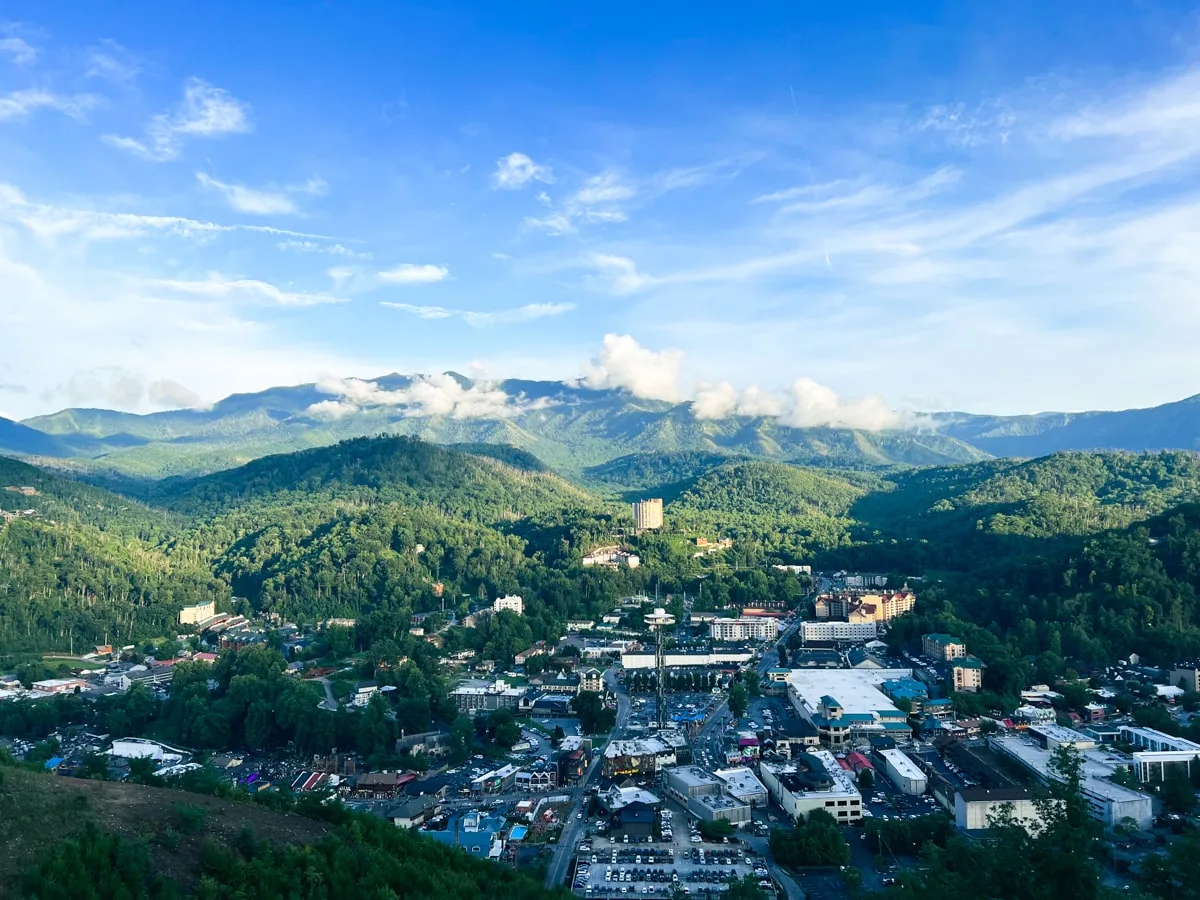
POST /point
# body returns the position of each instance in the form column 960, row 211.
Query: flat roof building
column 903, row 772
column 745, row 628
column 1107, row 801
column 813, row 781
column 741, row 784
column 975, row 809
column 848, row 705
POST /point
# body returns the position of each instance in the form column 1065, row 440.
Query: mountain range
column 575, row 430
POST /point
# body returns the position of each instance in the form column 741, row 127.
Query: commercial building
column 976, row 808
column 943, row 647
column 741, row 784
column 795, row 735
column 474, row 696
column 704, row 795
column 812, row 781
column 612, row 556
column 848, row 705
column 511, row 603
column 1159, row 755
column 648, row 514
column 744, row 629
column 497, row 781
column 1108, row 802
column 966, row 674
column 140, row 748
column 58, row 686
column 829, row 632
column 637, row 758
column 1050, row 737
column 905, row 774
column 860, row 606
column 194, row 615
column 718, row 658
column 477, row 833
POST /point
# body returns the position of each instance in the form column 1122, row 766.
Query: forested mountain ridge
column 567, row 426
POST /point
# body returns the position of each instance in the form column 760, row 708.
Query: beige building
column 648, row 514
column 591, row 680
column 943, row 647
column 861, row 607
column 194, row 615
column 967, row 674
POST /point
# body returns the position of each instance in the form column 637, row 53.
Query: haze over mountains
column 574, row 429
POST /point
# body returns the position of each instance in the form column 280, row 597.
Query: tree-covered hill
column 379, row 470
column 67, row 839
column 773, row 491
column 663, row 474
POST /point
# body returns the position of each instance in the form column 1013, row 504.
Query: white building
column 194, row 615
column 1158, row 753
column 512, row 603
column 705, row 796
column 746, row 628
column 139, row 748
column 839, row 632
column 813, row 781
column 903, row 772
column 685, row 660
column 976, row 808
column 847, row 705
column 1107, row 801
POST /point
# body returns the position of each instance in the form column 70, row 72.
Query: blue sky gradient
column 991, row 207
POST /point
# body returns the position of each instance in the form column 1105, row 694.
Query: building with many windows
column 823, row 632
column 943, row 647
column 861, row 606
column 812, row 781
column 648, row 514
column 746, row 628
column 967, row 674
column 512, row 603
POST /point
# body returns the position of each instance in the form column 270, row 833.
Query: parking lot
column 611, row 866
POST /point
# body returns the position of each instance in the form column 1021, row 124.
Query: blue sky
column 991, row 207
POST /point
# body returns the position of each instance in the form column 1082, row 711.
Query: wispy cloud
column 295, row 246
column 249, row 200
column 526, row 313
column 620, row 272
column 408, row 273
column 112, row 62
column 19, row 50
column 204, row 112
column 244, row 289
column 517, row 170
column 427, row 395
column 22, row 104
column 598, row 200
column 50, row 221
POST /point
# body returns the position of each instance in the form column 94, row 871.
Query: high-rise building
column 744, row 629
column 648, row 514
column 967, row 674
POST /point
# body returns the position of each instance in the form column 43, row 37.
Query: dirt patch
column 37, row 811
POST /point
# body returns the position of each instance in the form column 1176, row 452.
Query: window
column 841, row 803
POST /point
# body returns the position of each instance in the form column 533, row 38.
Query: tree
column 752, row 683
column 866, row 781
column 815, row 841
column 558, row 736
column 1177, row 794
column 738, row 702
column 594, row 717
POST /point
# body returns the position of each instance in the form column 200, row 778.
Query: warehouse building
column 975, row 809
column 905, row 774
column 741, row 784
column 704, row 795
column 1108, row 802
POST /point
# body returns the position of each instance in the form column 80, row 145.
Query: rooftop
column 856, row 689
column 904, row 766
column 1098, row 766
column 740, row 781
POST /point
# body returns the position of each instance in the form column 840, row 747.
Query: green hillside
column 772, row 491
column 67, row 839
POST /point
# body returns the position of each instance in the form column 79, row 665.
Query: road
column 329, row 702
column 556, row 872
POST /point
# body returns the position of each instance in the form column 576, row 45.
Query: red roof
column 858, row 762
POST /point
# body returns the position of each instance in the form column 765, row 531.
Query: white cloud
column 49, row 221
column 249, row 200
column 112, row 62
column 205, row 112
column 622, row 272
column 595, row 201
column 427, row 395
column 816, row 405
column 21, row 52
column 517, row 170
column 296, row 246
column 245, row 289
column 119, row 388
column 624, row 363
column 407, row 273
column 721, row 400
column 21, row 104
column 526, row 313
